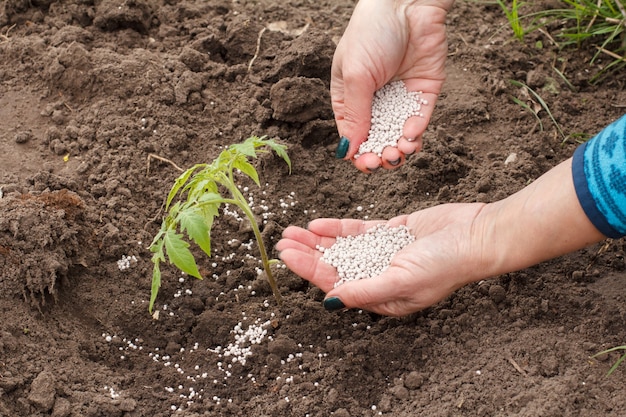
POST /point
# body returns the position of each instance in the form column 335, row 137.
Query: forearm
column 540, row 222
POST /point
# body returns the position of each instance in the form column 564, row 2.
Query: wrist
column 542, row 221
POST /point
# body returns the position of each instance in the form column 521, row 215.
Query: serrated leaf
column 179, row 254
column 157, row 243
column 281, row 150
column 210, row 197
column 156, row 284
column 195, row 225
column 178, row 183
column 247, row 147
column 248, row 169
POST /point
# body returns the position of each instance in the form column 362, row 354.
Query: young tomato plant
column 198, row 194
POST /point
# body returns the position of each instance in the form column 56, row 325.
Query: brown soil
column 89, row 89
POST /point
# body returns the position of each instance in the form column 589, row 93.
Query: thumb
column 354, row 115
column 370, row 294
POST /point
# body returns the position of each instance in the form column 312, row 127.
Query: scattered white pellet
column 366, row 255
column 126, row 262
column 392, row 105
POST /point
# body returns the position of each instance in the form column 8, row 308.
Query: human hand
column 455, row 244
column 445, row 256
column 385, row 41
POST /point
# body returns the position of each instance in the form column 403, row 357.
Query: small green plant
column 618, row 362
column 199, row 199
column 512, row 15
column 602, row 22
column 543, row 105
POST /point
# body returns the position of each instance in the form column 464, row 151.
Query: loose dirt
column 89, row 89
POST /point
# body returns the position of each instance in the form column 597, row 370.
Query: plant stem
column 264, row 257
column 241, row 202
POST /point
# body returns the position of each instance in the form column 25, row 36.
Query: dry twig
column 258, row 48
column 160, row 158
column 516, row 366
column 5, row 37
column 611, row 54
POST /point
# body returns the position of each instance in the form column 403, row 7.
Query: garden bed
column 89, row 90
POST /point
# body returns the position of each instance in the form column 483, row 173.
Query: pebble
column 42, row 391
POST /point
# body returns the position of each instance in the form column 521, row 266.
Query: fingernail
column 342, row 148
column 410, row 153
column 395, row 162
column 410, row 139
column 333, row 304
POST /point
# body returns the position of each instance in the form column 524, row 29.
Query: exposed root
column 160, row 158
column 258, row 48
column 4, row 37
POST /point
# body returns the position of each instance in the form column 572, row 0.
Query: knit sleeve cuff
column 585, row 197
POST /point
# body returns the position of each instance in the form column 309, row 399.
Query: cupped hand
column 385, row 41
column 446, row 255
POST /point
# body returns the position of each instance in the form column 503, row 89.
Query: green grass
column 618, row 362
column 596, row 24
column 512, row 15
column 540, row 105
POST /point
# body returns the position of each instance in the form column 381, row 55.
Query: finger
column 409, row 147
column 307, row 264
column 286, row 243
column 341, row 227
column 352, row 96
column 392, row 157
column 368, row 162
column 384, row 294
column 415, row 126
column 294, row 235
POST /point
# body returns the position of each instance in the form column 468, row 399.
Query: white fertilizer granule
column 366, row 255
column 391, row 107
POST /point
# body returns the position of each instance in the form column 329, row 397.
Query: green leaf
column 195, row 225
column 157, row 243
column 180, row 181
column 179, row 254
column 247, row 147
column 200, row 186
column 156, row 284
column 247, row 168
column 281, row 150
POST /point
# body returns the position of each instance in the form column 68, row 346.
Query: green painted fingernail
column 333, row 304
column 342, row 148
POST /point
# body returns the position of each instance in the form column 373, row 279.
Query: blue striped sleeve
column 599, row 172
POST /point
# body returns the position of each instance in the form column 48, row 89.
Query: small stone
column 497, row 293
column 282, row 346
column 400, row 392
column 511, row 159
column 578, row 276
column 341, row 412
column 414, row 380
column 42, row 391
column 128, row 405
column 23, row 137
column 62, row 408
column 172, row 348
